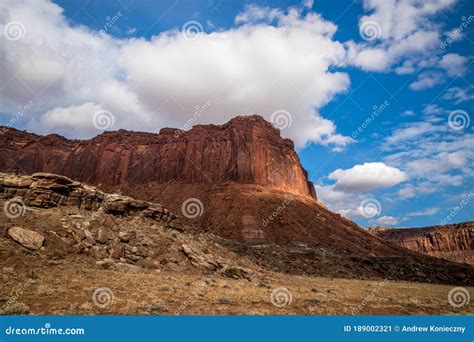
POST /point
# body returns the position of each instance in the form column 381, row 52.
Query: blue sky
column 378, row 95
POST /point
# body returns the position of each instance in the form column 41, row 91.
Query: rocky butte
column 240, row 180
column 246, row 150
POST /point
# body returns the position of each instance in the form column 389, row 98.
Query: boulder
column 27, row 238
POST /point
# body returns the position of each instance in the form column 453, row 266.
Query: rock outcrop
column 452, row 241
column 245, row 150
column 45, row 190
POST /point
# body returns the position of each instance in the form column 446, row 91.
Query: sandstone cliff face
column 453, row 241
column 245, row 150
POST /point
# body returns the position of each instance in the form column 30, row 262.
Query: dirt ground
column 67, row 287
column 77, row 272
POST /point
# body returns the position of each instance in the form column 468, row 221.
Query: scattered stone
column 173, row 267
column 27, row 238
column 176, row 225
column 87, row 234
column 103, row 235
column 109, row 222
column 78, row 248
column 116, row 250
column 135, row 253
column 157, row 308
column 8, row 270
column 224, row 301
column 201, row 260
column 127, row 236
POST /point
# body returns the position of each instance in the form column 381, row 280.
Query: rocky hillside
column 52, row 216
column 452, row 241
column 56, row 216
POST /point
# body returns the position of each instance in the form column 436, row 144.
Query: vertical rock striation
column 247, row 150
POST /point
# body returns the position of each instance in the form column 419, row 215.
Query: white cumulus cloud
column 253, row 68
column 366, row 177
column 386, row 220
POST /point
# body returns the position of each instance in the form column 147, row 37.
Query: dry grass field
column 67, row 287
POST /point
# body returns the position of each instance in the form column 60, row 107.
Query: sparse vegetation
column 233, row 272
column 16, row 308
